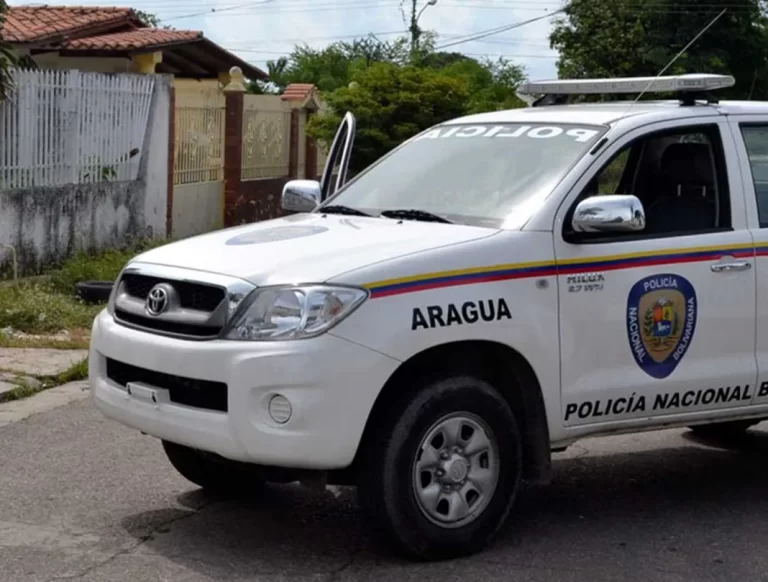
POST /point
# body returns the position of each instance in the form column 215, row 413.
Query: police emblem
column 661, row 320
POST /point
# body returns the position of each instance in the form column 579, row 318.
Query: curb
column 49, row 399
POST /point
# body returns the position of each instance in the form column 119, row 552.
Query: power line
column 339, row 37
column 499, row 30
column 282, row 53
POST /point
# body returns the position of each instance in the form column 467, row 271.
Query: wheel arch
column 499, row 364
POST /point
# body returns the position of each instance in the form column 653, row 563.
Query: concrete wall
column 197, row 208
column 46, row 225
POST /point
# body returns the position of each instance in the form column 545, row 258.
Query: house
column 115, row 40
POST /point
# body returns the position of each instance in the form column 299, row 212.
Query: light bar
column 672, row 84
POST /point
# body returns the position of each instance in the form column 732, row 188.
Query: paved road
column 85, row 499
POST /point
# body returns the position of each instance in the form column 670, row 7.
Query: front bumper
column 331, row 384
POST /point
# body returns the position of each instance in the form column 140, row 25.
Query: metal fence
column 199, row 147
column 64, row 127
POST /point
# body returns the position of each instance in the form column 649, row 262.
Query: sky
column 262, row 30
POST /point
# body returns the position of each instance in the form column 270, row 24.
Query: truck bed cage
column 688, row 88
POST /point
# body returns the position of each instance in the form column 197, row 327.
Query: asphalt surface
column 86, row 499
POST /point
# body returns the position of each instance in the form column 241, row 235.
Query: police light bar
column 672, row 84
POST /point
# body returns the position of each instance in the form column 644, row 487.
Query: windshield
column 470, row 173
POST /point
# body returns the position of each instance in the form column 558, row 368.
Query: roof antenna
column 677, row 56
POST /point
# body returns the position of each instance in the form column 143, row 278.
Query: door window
column 756, row 142
column 680, row 178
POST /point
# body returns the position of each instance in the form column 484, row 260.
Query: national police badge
column 661, row 319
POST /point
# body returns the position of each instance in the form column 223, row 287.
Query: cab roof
column 609, row 113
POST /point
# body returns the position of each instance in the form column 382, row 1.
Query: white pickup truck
column 493, row 290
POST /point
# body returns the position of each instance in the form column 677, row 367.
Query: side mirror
column 609, row 213
column 301, row 195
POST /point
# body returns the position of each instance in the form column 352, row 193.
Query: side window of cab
column 680, row 178
column 756, row 141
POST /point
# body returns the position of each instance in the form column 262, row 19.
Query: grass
column 38, row 308
column 104, row 266
column 78, row 371
column 51, row 305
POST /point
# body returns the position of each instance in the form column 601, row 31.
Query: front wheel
column 212, row 472
column 443, row 471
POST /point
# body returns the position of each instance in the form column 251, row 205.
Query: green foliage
column 51, row 306
column 149, row 19
column 7, row 57
column 619, row 38
column 391, row 104
column 394, row 92
column 40, row 308
column 103, row 266
column 335, row 65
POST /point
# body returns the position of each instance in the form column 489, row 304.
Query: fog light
column 280, row 409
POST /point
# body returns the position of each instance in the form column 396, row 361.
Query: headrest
column 688, row 164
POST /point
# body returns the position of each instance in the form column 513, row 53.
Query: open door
column 338, row 156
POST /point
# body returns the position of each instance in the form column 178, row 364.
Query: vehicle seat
column 687, row 196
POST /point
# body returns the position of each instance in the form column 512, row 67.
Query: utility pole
column 414, row 27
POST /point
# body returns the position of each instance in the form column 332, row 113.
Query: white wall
column 45, row 224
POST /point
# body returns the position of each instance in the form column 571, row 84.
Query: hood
column 305, row 248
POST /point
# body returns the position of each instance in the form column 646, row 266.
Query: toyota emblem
column 157, row 300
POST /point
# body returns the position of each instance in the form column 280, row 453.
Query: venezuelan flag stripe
column 475, row 275
column 761, row 249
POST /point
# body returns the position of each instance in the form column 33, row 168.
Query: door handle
column 736, row 266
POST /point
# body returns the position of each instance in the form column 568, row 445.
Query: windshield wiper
column 341, row 209
column 414, row 214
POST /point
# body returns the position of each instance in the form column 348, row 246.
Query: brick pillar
column 293, row 152
column 171, row 162
column 233, row 144
column 310, row 158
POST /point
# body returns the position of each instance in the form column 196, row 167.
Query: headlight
column 287, row 313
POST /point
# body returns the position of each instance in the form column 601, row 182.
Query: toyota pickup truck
column 491, row 291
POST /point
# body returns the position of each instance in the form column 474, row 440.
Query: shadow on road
column 666, row 513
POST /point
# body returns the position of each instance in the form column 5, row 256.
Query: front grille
column 169, row 327
column 187, row 391
column 191, row 295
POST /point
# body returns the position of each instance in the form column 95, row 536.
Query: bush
column 39, row 308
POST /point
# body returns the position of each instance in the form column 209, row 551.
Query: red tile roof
column 133, row 39
column 297, row 92
column 41, row 23
column 100, row 28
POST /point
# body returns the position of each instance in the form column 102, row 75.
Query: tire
column 214, row 473
column 723, row 429
column 94, row 291
column 389, row 482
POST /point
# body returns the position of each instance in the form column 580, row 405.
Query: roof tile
column 297, row 92
column 38, row 23
column 133, row 39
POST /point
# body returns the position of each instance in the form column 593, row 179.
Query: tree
column 396, row 92
column 149, row 19
column 333, row 66
column 619, row 38
column 391, row 104
column 492, row 84
column 7, row 57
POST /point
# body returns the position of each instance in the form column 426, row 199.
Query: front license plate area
column 147, row 393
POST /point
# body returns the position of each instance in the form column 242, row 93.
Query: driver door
column 336, row 167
